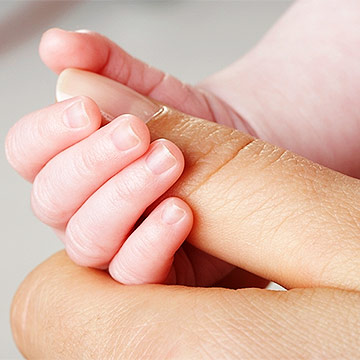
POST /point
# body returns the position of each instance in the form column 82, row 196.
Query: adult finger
column 87, row 50
column 39, row 136
column 256, row 205
column 98, row 229
column 65, row 311
column 68, row 179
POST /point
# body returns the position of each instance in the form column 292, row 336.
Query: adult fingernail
column 172, row 213
column 160, row 159
column 124, row 137
column 113, row 98
column 75, row 115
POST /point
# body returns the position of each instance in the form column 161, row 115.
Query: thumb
column 256, row 206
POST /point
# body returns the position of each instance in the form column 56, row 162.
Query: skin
column 84, row 313
column 323, row 321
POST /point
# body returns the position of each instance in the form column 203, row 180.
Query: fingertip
column 176, row 211
column 60, row 49
column 92, row 110
column 175, row 151
column 81, row 250
column 11, row 152
column 139, row 128
column 148, row 253
column 115, row 271
column 51, row 43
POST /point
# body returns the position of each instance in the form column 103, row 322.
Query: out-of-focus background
column 189, row 39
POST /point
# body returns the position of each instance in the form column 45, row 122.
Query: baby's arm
column 92, row 185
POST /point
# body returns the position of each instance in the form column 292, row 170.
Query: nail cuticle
column 160, row 159
column 158, row 113
column 172, row 214
column 75, row 115
column 124, row 137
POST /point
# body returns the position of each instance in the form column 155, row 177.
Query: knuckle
column 82, row 245
column 14, row 151
column 22, row 145
column 44, row 203
column 125, row 188
column 87, row 163
column 213, row 161
column 11, row 148
column 123, row 272
column 144, row 249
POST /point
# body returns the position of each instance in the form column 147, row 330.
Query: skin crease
column 312, row 317
column 250, row 171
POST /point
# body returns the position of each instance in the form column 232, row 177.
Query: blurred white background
column 189, row 39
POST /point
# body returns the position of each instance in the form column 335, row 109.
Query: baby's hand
column 92, row 184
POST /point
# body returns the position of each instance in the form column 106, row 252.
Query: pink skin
column 91, row 51
column 101, row 225
column 151, row 247
column 41, row 135
column 107, row 178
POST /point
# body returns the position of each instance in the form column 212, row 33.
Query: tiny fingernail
column 172, row 214
column 160, row 159
column 124, row 137
column 75, row 115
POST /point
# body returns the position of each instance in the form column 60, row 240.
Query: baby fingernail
column 75, row 115
column 124, row 137
column 160, row 159
column 172, row 214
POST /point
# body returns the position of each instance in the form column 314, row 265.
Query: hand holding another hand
column 264, row 209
